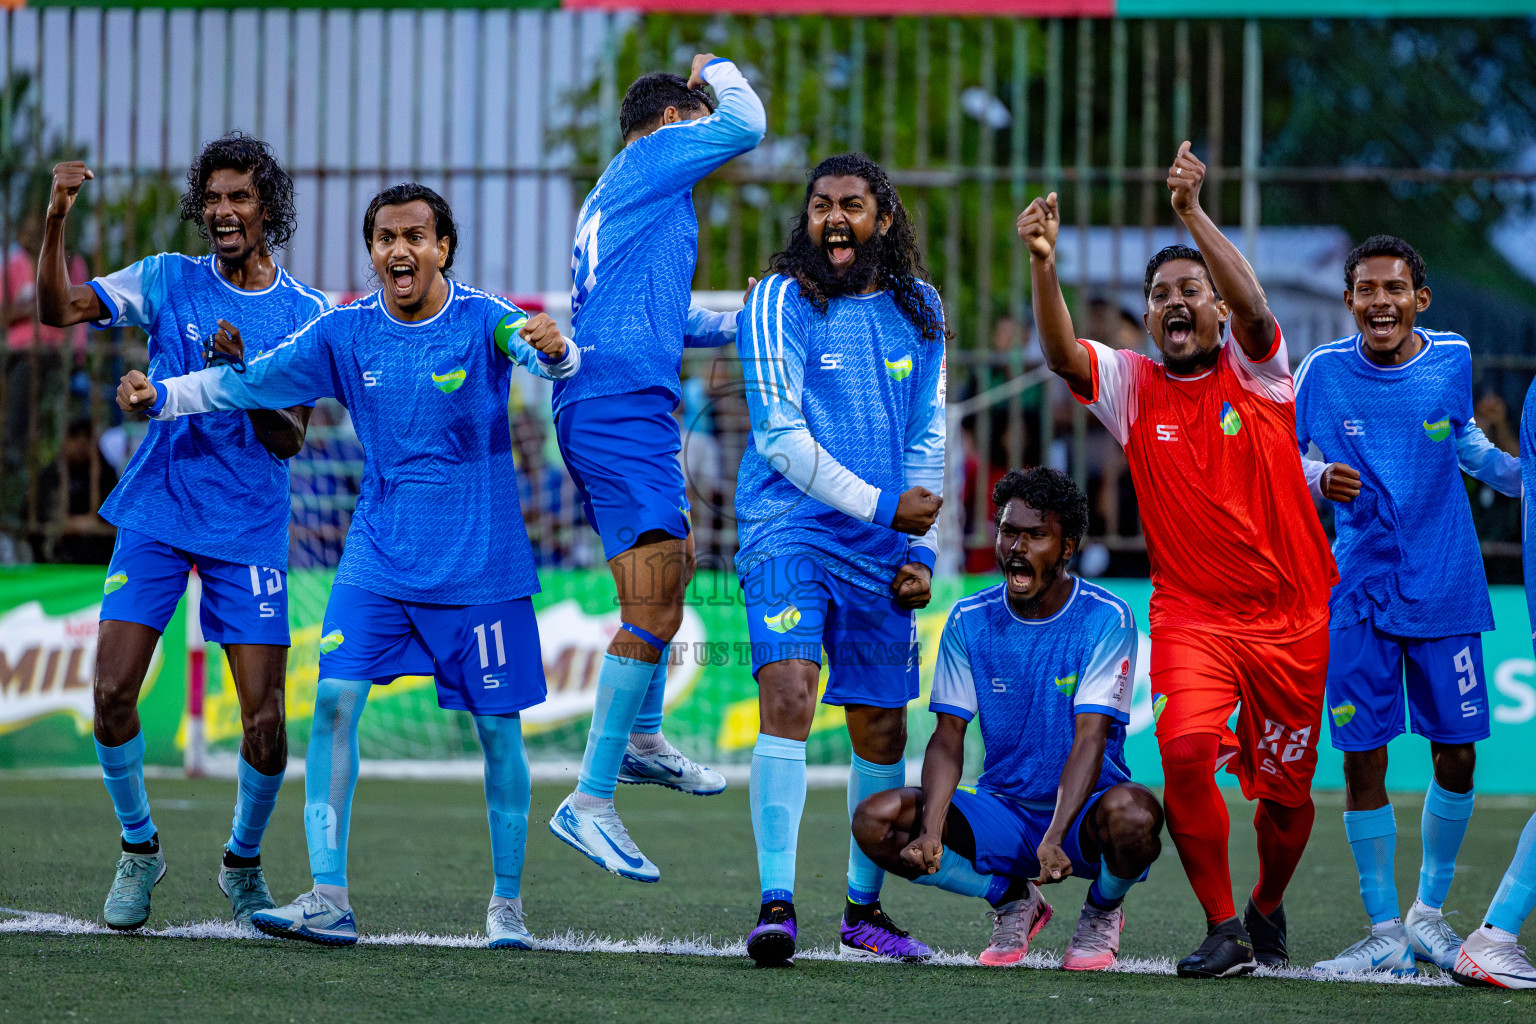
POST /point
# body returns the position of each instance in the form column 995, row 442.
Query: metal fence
column 512, row 114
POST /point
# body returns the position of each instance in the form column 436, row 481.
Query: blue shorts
column 796, row 608
column 242, row 604
column 485, row 657
column 621, row 452
column 1008, row 833
column 1447, row 691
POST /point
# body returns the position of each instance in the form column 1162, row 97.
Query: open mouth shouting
column 228, row 236
column 1020, row 574
column 840, row 247
column 1178, row 327
column 402, row 277
column 1381, row 325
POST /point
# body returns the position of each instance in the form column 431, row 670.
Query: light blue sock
column 621, row 688
column 958, row 875
column 508, row 792
column 777, row 798
column 122, row 769
column 649, row 718
column 1445, row 825
column 256, row 796
column 1372, row 839
column 1516, row 897
column 330, row 776
column 1108, row 890
column 865, row 778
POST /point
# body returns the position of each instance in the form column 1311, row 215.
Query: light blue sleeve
column 705, row 329
column 922, row 459
column 678, row 155
column 772, row 349
column 1104, row 687
column 1482, row 459
column 954, row 687
column 295, row 372
column 504, row 319
column 131, row 295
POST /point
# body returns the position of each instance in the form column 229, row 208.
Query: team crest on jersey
column 1342, row 714
column 1067, row 685
column 331, row 641
column 1231, row 422
column 449, row 380
column 783, row 622
column 899, row 369
column 114, row 581
column 1438, row 430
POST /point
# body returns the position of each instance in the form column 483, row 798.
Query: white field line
column 26, row 922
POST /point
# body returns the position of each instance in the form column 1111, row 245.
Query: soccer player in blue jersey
column 631, row 270
column 437, row 571
column 210, row 494
column 1055, row 657
column 1491, row 955
column 837, row 502
column 1391, row 410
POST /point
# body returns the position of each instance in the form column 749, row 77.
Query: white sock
column 1424, row 909
column 588, row 802
column 337, row 894
column 1499, row 934
column 648, row 742
column 1394, row 925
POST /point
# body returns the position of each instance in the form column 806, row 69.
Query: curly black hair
column 898, row 264
column 237, row 151
column 410, row 192
column 1384, row 245
column 649, row 96
column 1174, row 252
column 1045, row 490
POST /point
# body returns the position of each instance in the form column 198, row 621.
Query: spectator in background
column 1495, row 517
column 82, row 535
column 540, row 488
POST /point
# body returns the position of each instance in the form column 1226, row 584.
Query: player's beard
column 816, row 266
column 1027, row 607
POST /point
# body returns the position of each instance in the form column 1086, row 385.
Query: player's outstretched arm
column 1252, row 323
column 1037, row 226
column 1483, row 460
column 688, row 151
column 1084, row 763
column 535, row 343
column 60, row 303
column 705, row 328
column 922, row 465
column 280, row 431
column 943, row 763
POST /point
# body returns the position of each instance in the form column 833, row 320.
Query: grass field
column 420, row 864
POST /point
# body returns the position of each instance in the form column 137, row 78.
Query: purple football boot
column 868, row 934
column 772, row 942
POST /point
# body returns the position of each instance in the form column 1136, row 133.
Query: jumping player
column 437, row 571
column 1240, row 566
column 1392, row 406
column 210, row 494
column 631, row 270
column 1055, row 656
column 837, row 500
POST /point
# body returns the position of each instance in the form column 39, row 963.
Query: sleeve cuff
column 1093, row 361
column 923, row 554
column 546, row 358
column 718, row 60
column 161, row 394
column 106, row 300
column 885, row 508
column 966, row 714
column 1121, row 717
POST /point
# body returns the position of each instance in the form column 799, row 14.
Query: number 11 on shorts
column 491, row 682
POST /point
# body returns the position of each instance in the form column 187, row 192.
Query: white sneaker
column 504, row 927
column 312, row 918
column 1432, row 940
column 1485, row 961
column 1385, row 952
column 604, row 839
column 671, row 768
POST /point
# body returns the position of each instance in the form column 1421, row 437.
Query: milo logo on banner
column 46, row 664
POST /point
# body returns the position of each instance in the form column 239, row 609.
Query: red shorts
column 1277, row 689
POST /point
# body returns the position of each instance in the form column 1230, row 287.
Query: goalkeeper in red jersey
column 1240, row 567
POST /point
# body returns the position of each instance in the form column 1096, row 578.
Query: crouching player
column 1055, row 655
column 437, row 573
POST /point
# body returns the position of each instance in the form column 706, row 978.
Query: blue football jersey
column 1527, row 506
column 1408, row 556
column 206, row 486
column 438, row 517
column 1029, row 679
column 637, row 241
column 847, row 412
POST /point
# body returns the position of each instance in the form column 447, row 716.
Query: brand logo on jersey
column 331, row 641
column 900, row 369
column 783, row 622
column 1231, row 422
column 507, row 330
column 193, row 334
column 1354, row 428
column 1439, row 430
column 370, row 378
column 1067, row 685
column 114, row 581
column 832, row 361
column 1342, row 714
column 1167, row 431
column 1159, row 701
column 449, row 381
